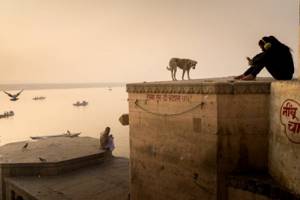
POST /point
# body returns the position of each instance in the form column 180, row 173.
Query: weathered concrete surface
column 284, row 150
column 186, row 136
column 106, row 181
column 52, row 149
column 59, row 155
column 243, row 125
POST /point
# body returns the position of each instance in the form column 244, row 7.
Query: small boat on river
column 68, row 134
column 83, row 103
column 7, row 114
column 39, row 98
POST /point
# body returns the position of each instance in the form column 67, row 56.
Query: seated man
column 275, row 56
column 110, row 143
column 106, row 140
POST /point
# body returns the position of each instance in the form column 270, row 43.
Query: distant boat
column 39, row 98
column 68, row 134
column 7, row 114
column 83, row 103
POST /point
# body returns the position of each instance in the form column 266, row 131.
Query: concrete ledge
column 52, row 168
column 204, row 86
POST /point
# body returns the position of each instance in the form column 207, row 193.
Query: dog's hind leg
column 172, row 74
column 183, row 72
column 175, row 70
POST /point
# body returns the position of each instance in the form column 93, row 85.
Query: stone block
column 186, row 137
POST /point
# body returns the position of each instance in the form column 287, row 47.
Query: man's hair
column 261, row 44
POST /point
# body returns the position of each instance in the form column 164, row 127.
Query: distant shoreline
column 41, row 86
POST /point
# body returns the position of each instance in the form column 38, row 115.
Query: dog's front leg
column 188, row 74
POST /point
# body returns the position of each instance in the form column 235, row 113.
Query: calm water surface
column 56, row 114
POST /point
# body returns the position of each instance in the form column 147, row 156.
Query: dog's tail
column 169, row 68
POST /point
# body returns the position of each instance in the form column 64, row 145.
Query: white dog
column 184, row 64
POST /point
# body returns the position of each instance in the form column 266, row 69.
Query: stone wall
column 284, row 151
column 172, row 156
column 243, row 123
column 186, row 137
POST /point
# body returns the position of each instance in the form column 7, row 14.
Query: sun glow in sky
column 45, row 41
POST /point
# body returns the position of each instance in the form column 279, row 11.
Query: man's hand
column 249, row 61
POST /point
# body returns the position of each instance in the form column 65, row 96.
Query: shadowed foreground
column 106, row 181
column 62, row 168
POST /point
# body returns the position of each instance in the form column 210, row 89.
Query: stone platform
column 59, row 161
column 52, row 149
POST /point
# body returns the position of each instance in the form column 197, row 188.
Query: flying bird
column 13, row 97
column 42, row 159
column 25, row 146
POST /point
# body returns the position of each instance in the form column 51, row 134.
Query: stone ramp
column 108, row 180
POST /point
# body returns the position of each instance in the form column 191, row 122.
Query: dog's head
column 193, row 63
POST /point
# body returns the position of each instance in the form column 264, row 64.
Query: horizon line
column 36, row 86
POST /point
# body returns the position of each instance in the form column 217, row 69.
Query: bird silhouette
column 42, row 159
column 13, row 97
column 25, row 146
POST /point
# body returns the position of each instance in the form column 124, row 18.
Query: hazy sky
column 132, row 40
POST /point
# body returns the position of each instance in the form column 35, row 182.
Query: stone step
column 262, row 184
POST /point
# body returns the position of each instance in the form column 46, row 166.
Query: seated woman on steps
column 275, row 56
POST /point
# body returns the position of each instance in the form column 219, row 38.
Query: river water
column 56, row 114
